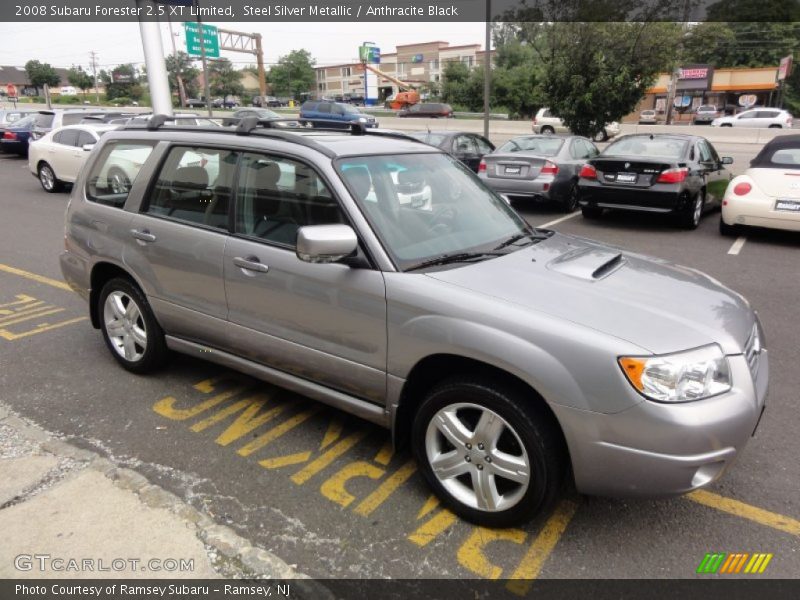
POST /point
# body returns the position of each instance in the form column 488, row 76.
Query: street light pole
column 487, row 69
column 156, row 69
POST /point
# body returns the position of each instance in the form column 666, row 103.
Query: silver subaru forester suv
column 508, row 357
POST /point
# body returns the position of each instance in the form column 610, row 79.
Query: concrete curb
column 251, row 561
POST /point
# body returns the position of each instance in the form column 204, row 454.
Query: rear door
column 715, row 176
column 66, row 156
column 465, row 150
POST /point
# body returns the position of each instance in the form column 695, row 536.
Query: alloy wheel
column 125, row 326
column 47, row 177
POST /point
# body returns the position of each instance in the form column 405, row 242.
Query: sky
column 64, row 45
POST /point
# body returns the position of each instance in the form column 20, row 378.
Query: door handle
column 251, row 263
column 144, row 235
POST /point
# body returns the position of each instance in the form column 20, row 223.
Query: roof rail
column 248, row 124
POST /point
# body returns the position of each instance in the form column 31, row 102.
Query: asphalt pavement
column 323, row 490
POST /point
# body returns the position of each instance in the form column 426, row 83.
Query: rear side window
column 324, row 107
column 114, row 172
column 788, row 157
column 194, row 185
column 84, row 138
column 67, row 137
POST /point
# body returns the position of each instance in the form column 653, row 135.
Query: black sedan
column 467, row 147
column 675, row 174
column 538, row 167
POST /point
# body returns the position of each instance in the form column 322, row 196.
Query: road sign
column 369, row 54
column 747, row 100
column 785, row 67
column 210, row 39
column 11, row 90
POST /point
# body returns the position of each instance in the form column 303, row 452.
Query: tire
column 728, row 230
column 47, row 177
column 591, row 212
column 600, row 136
column 547, row 130
column 570, row 201
column 532, row 446
column 775, row 127
column 118, row 181
column 690, row 217
column 726, row 125
column 136, row 341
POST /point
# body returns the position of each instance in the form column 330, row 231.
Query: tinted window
column 115, row 170
column 276, row 196
column 705, row 152
column 464, row 144
column 644, row 146
column 434, row 139
column 194, row 185
column 67, row 137
column 309, row 106
column 72, row 118
column 548, row 146
column 579, row 149
column 766, row 114
column 787, row 156
column 324, row 107
column 750, row 114
column 84, row 137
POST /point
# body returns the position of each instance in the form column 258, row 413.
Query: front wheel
column 129, row 327
column 487, row 452
column 47, row 177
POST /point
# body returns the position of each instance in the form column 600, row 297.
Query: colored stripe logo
column 734, row 563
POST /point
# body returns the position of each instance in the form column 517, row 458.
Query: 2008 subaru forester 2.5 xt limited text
column 504, row 354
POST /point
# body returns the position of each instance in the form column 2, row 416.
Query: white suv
column 762, row 117
column 546, row 122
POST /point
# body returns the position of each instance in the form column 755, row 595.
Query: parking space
column 325, row 491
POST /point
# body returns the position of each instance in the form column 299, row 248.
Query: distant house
column 19, row 77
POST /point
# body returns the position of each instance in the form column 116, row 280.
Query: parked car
column 330, row 114
column 773, row 118
column 508, row 357
column 18, row 135
column 57, row 158
column 270, row 101
column 467, row 147
column 195, row 103
column 57, row 117
column 768, row 193
column 705, row 114
column 648, row 117
column 432, row 110
column 227, row 102
column 676, row 174
column 546, row 122
column 538, row 167
column 261, row 113
column 11, row 116
column 107, row 117
column 182, row 119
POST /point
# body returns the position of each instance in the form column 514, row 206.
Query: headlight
column 680, row 377
column 362, row 120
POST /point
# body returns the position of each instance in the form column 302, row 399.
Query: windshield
column 424, row 206
column 434, row 139
column 26, row 122
column 647, row 146
column 548, row 146
column 350, row 109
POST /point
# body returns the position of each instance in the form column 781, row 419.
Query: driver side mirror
column 727, row 160
column 88, row 147
column 325, row 243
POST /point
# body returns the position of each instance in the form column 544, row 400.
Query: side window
column 324, row 107
column 194, row 185
column 704, row 152
column 483, row 146
column 579, row 149
column 114, row 172
column 750, row 114
column 72, row 118
column 277, row 196
column 591, row 148
column 547, row 113
column 463, row 145
column 84, row 138
column 766, row 114
column 67, row 137
column 415, row 108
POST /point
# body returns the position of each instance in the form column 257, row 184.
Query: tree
column 41, row 74
column 597, row 72
column 80, row 79
column 181, row 64
column 121, row 82
column 293, row 75
column 223, row 79
column 455, row 83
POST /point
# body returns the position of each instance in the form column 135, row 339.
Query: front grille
column 752, row 350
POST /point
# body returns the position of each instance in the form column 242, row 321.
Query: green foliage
column 121, row 101
column 181, row 64
column 119, row 89
column 223, row 79
column 80, row 79
column 66, row 100
column 293, row 75
column 41, row 74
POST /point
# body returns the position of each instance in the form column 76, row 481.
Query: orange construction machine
column 404, row 98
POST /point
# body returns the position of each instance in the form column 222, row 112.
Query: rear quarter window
column 115, row 170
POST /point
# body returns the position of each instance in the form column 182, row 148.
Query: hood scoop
column 589, row 264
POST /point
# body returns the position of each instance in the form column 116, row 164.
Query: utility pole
column 487, row 69
column 206, row 84
column 156, row 69
column 93, row 56
column 181, row 89
column 262, row 78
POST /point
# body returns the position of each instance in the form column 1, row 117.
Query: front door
column 322, row 322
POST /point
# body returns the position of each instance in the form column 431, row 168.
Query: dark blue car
column 17, row 136
column 327, row 113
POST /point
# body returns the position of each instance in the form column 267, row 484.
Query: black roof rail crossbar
column 248, row 124
column 334, row 125
column 157, row 121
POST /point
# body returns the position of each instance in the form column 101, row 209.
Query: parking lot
column 324, row 490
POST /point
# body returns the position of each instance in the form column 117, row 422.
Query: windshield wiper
column 533, row 235
column 446, row 259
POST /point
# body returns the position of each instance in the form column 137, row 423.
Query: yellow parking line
column 541, row 548
column 33, row 276
column 746, row 511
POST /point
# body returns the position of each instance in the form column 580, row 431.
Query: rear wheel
column 775, row 127
column 547, row 130
column 726, row 125
column 690, row 217
column 487, row 451
column 591, row 212
column 129, row 327
column 47, row 177
column 570, row 201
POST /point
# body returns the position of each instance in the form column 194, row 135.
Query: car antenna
column 651, row 136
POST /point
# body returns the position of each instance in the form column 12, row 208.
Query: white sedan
column 768, row 193
column 57, row 157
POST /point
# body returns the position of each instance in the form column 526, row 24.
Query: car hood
column 652, row 303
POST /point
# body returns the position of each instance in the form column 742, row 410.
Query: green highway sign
column 210, row 39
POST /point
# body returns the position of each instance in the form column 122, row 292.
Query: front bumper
column 656, row 449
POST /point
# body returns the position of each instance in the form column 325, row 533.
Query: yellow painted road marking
column 326, row 459
column 384, row 455
column 34, row 277
column 333, row 487
column 428, row 531
column 746, row 511
column 22, row 317
column 763, row 565
column 541, row 548
column 472, row 556
column 431, row 503
column 166, row 406
column 20, row 299
column 386, row 489
column 727, row 563
column 285, row 461
column 277, row 431
column 7, row 335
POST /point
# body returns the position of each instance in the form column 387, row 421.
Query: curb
column 252, row 561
